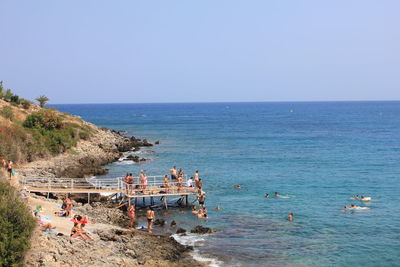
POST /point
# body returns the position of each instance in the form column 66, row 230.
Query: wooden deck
column 149, row 192
column 111, row 186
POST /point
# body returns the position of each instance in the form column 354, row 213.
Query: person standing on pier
column 126, row 180
column 150, row 218
column 173, row 173
column 179, row 183
column 166, row 184
column 180, row 173
column 196, row 178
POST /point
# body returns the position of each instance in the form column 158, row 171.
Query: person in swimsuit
column 218, row 208
column 237, row 186
column 68, row 207
column 196, row 178
column 126, row 180
column 180, row 173
column 266, row 196
column 276, row 194
column 366, row 198
column 194, row 210
column 290, row 217
column 150, row 218
column 131, row 215
column 83, row 232
column 10, row 168
column 200, row 184
column 173, row 173
column 166, row 184
column 4, row 163
column 202, row 199
column 355, row 197
column 179, row 183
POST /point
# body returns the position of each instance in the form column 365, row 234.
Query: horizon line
column 228, row 102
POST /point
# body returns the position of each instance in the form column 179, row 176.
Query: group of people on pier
column 169, row 183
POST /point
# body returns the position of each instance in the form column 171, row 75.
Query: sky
column 129, row 51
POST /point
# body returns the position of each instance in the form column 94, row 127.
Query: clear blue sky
column 95, row 51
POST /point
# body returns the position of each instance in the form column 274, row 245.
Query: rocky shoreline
column 114, row 245
column 87, row 158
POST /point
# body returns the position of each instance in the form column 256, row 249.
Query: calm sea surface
column 322, row 152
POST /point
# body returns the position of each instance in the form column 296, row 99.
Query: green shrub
column 16, row 226
column 46, row 119
column 7, row 95
column 7, row 113
column 15, row 99
column 26, row 104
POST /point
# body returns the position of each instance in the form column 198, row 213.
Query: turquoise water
column 323, row 153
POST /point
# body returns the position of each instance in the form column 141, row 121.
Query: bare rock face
column 111, row 247
column 100, row 213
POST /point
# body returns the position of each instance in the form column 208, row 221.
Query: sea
column 318, row 154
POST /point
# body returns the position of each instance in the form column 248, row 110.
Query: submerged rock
column 180, row 231
column 202, row 230
column 173, row 224
column 159, row 222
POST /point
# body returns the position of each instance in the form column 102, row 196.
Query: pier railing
column 155, row 185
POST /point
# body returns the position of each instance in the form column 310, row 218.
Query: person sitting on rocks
column 76, row 232
column 83, row 232
column 60, row 213
column 44, row 226
column 24, row 194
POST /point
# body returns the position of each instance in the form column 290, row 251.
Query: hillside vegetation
column 16, row 226
column 29, row 132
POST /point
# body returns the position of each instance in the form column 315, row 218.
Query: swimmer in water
column 354, row 207
column 194, row 210
column 266, row 196
column 237, row 186
column 290, row 217
column 355, row 197
column 217, row 208
column 366, row 198
column 276, row 194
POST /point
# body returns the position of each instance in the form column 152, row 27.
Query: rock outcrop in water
column 202, row 230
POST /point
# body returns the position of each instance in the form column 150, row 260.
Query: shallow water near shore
column 322, row 152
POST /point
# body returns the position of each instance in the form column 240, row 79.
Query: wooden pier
column 114, row 187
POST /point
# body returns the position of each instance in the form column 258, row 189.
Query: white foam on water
column 191, row 240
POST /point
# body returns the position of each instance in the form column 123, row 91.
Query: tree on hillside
column 7, row 96
column 1, row 89
column 42, row 100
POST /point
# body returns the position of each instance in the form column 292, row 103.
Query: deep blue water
column 322, row 152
